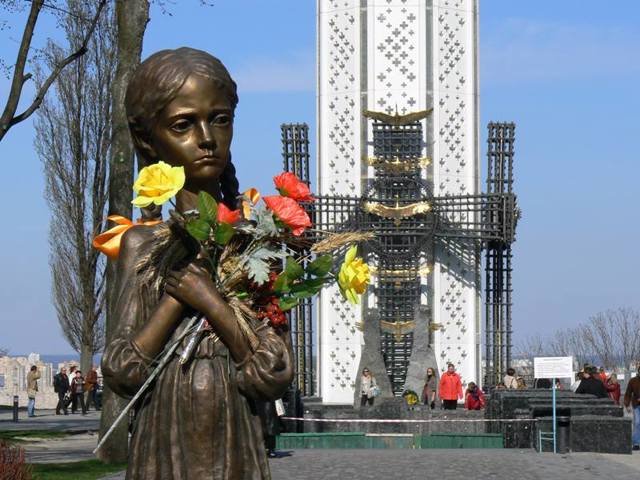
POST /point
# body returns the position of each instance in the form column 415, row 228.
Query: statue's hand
column 193, row 286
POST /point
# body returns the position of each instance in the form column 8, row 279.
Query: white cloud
column 295, row 73
column 527, row 51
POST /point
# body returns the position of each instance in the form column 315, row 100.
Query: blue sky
column 565, row 72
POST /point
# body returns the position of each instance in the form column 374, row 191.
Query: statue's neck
column 188, row 199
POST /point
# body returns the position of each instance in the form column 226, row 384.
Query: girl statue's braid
column 229, row 186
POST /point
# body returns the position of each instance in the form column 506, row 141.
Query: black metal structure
column 295, row 155
column 498, row 287
column 399, row 206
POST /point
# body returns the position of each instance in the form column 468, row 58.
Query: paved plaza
column 448, row 465
column 350, row 464
column 452, row 465
column 48, row 420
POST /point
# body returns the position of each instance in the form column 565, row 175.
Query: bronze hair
column 157, row 81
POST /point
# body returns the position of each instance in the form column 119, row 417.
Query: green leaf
column 256, row 263
column 224, row 232
column 242, row 295
column 293, row 269
column 308, row 288
column 208, row 208
column 281, row 285
column 287, row 303
column 198, row 229
column 321, row 266
column 265, row 225
column 304, row 294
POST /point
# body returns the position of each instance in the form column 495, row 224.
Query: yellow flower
column 411, row 397
column 157, row 183
column 354, row 276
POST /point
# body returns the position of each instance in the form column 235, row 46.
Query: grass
column 17, row 436
column 84, row 470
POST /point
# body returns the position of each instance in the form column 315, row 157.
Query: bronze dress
column 198, row 421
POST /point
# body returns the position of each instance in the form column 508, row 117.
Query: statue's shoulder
column 138, row 238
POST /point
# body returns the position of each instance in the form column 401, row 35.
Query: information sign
column 553, row 367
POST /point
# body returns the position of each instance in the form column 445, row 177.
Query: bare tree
column 578, row 347
column 598, row 336
column 610, row 339
column 9, row 116
column 73, row 133
column 626, row 337
column 532, row 346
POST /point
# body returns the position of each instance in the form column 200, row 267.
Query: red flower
column 289, row 212
column 226, row 215
column 273, row 313
column 290, row 186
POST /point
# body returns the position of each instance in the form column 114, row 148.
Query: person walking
column 510, row 380
column 270, row 422
column 450, row 388
column 591, row 384
column 632, row 404
column 72, row 398
column 77, row 393
column 90, row 387
column 61, row 387
column 474, row 397
column 613, row 387
column 32, row 388
column 430, row 388
column 368, row 388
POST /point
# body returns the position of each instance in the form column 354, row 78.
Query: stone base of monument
column 447, row 421
column 341, row 440
column 594, row 425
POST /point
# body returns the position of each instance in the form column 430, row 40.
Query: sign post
column 553, row 368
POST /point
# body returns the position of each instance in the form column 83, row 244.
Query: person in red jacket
column 473, row 398
column 613, row 387
column 450, row 388
column 603, row 375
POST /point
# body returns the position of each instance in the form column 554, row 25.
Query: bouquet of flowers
column 253, row 253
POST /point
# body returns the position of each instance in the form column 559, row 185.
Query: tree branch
column 18, row 72
column 14, row 95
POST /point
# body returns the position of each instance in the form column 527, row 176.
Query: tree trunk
column 86, row 359
column 132, row 19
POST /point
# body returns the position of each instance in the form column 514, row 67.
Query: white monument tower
column 401, row 56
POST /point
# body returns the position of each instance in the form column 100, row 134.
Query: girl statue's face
column 194, row 131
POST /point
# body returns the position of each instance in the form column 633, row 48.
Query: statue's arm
column 264, row 372
column 267, row 373
column 194, row 287
column 135, row 341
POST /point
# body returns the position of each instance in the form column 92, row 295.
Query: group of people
column 78, row 392
column 594, row 381
column 448, row 390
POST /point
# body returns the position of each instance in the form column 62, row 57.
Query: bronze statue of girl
column 198, row 421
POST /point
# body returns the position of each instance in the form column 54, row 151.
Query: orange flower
column 290, row 186
column 289, row 212
column 253, row 197
column 226, row 215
